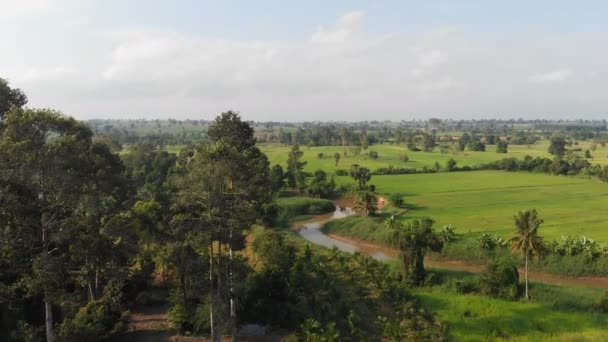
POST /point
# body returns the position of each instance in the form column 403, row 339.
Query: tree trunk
column 231, row 284
column 526, row 275
column 211, row 299
column 48, row 306
column 182, row 279
column 48, row 321
column 91, row 294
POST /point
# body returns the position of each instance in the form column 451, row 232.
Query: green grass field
column 485, row 201
column 390, row 155
column 479, row 318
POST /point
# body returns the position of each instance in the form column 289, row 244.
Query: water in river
column 310, row 230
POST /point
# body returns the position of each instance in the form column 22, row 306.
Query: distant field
column 390, row 155
column 485, row 201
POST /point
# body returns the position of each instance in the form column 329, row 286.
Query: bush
column 373, row 154
column 396, row 199
column 341, row 172
column 93, row 322
column 500, row 279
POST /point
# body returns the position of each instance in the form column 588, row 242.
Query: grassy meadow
column 485, row 201
column 391, row 155
column 479, row 318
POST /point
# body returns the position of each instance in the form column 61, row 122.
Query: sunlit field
column 485, row 201
column 391, row 155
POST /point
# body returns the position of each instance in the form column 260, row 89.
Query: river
column 311, row 231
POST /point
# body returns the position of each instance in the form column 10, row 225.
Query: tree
column 476, row 145
column 526, row 240
column 10, row 97
column 557, row 146
column 337, row 158
column 229, row 128
column 413, row 240
column 373, row 154
column 320, row 186
column 361, row 175
column 450, row 165
column 277, row 177
column 72, row 185
column 295, row 167
column 364, row 140
column 365, row 203
column 588, row 154
column 428, row 142
column 463, row 141
column 225, row 189
column 320, row 155
column 502, row 146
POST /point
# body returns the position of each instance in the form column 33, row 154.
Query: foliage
column 526, row 239
column 500, row 279
column 93, row 322
column 447, row 234
column 320, row 186
column 502, row 146
column 413, row 240
column 557, row 146
column 365, row 202
column 396, row 199
column 361, row 175
column 488, row 241
column 373, row 154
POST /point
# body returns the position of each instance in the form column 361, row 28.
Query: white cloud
column 12, row 8
column 344, row 28
column 340, row 72
column 551, row 77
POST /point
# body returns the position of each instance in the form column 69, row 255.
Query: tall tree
column 361, row 175
column 295, row 175
column 10, row 97
column 557, row 146
column 526, row 240
column 75, row 184
column 226, row 187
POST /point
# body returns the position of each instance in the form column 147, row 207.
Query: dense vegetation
column 104, row 217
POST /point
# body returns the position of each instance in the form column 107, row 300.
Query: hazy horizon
column 308, row 61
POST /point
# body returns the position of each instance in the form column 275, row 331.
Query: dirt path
column 457, row 265
column 147, row 323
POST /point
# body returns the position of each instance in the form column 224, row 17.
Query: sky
column 309, row 60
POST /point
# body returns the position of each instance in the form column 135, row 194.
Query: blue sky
column 318, row 60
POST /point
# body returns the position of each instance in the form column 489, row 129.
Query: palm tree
column 526, row 239
column 366, row 202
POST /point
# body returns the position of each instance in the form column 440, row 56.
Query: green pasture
column 485, row 201
column 478, row 318
column 391, row 155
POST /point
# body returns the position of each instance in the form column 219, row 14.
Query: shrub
column 373, row 154
column 93, row 322
column 341, row 172
column 404, row 158
column 500, row 279
column 396, row 199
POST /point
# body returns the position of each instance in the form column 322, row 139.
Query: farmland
column 391, row 155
